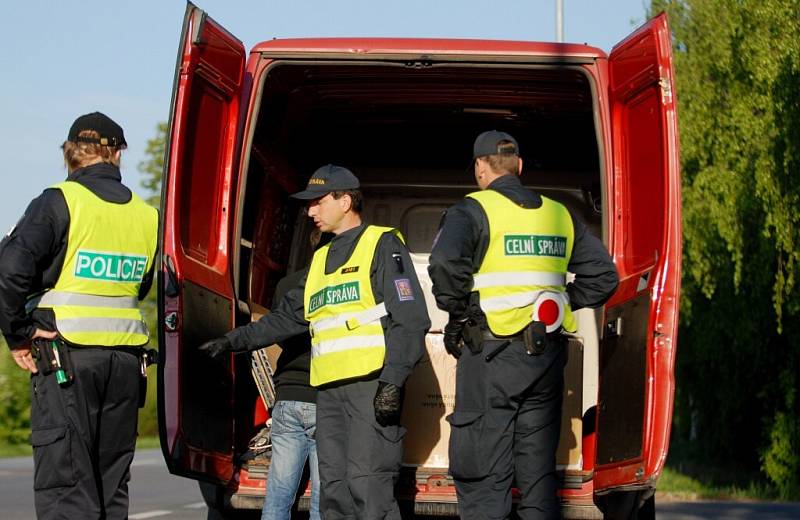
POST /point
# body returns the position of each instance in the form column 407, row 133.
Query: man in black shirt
column 294, row 418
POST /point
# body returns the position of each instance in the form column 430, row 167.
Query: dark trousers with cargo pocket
column 505, row 430
column 84, row 435
column 359, row 460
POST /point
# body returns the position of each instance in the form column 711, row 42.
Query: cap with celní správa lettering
column 327, row 179
column 110, row 133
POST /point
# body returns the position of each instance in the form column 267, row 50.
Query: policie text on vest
column 112, row 267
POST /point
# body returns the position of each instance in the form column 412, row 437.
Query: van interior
column 406, row 130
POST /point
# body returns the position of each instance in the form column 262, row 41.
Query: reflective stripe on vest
column 345, row 343
column 110, row 248
column 351, row 320
column 525, row 264
column 347, row 338
column 91, row 325
column 51, row 298
column 483, row 280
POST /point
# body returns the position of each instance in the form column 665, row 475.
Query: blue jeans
column 293, row 427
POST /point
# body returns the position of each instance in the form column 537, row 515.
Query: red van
column 598, row 132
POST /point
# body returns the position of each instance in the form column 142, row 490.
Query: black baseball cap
column 110, row 132
column 327, row 179
column 488, row 143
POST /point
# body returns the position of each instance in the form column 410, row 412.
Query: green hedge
column 15, row 400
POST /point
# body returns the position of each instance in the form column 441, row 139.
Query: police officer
column 85, row 248
column 499, row 268
column 363, row 306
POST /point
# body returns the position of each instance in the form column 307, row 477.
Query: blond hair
column 79, row 154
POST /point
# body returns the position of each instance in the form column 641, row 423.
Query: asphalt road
column 157, row 494
column 154, row 492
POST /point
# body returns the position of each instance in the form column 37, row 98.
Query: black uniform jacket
column 32, row 253
column 463, row 238
column 404, row 327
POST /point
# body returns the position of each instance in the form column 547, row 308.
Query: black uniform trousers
column 505, row 430
column 359, row 460
column 84, row 436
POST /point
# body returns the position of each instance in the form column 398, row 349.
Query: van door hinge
column 171, row 287
column 614, row 328
column 666, row 88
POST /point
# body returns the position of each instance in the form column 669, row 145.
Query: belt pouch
column 535, row 338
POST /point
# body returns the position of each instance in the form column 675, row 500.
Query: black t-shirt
column 293, row 366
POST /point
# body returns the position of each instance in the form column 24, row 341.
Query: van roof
column 428, row 47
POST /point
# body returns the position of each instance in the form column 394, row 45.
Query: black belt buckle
column 535, row 338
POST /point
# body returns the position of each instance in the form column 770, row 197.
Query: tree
column 153, row 165
column 738, row 84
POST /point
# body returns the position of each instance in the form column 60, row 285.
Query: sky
column 63, row 58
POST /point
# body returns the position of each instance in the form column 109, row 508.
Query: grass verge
column 22, row 450
column 15, row 450
column 673, row 485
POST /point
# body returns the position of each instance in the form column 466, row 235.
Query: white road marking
column 149, row 514
column 196, row 505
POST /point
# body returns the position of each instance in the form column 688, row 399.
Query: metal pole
column 559, row 20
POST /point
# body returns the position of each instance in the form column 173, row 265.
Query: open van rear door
column 637, row 352
column 196, row 295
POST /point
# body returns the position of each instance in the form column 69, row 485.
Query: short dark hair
column 504, row 163
column 356, row 198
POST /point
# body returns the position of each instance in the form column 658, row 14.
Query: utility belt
column 534, row 337
column 53, row 357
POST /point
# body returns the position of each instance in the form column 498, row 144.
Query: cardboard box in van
column 597, row 131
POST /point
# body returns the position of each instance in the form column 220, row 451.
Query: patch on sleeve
column 404, row 292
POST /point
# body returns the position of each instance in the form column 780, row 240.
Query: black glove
column 452, row 336
column 388, row 402
column 216, row 348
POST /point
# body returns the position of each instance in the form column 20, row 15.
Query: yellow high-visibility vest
column 525, row 263
column 110, row 247
column 345, row 321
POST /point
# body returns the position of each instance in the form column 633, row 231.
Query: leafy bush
column 15, row 403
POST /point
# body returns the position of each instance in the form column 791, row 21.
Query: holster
column 472, row 334
column 43, row 357
column 52, row 355
column 535, row 338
